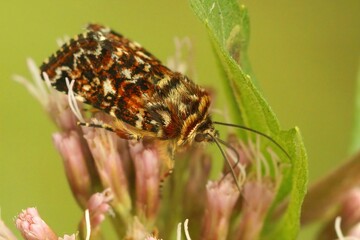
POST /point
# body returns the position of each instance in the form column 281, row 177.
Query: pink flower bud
column 76, row 162
column 147, row 164
column 221, row 198
column 98, row 206
column 109, row 164
column 32, row 227
column 350, row 210
column 349, row 213
column 258, row 196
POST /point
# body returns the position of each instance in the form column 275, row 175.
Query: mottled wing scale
column 111, row 73
column 145, row 98
column 121, row 78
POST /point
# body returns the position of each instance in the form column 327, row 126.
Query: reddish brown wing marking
column 111, row 73
column 121, row 78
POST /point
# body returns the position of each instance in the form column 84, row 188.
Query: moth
column 144, row 98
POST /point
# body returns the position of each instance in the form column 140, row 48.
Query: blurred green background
column 305, row 55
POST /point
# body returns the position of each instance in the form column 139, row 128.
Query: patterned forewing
column 111, row 73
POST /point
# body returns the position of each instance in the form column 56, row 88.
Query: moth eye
column 200, row 137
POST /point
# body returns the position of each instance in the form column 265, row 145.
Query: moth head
column 206, row 133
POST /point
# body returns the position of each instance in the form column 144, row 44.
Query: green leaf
column 228, row 27
column 355, row 145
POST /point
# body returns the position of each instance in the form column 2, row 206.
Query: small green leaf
column 228, row 26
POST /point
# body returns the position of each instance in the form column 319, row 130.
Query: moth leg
column 107, row 127
column 167, row 163
column 165, row 173
column 91, row 110
column 95, row 125
column 165, row 176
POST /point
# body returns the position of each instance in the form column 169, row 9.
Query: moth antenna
column 232, row 149
column 241, row 168
column 227, row 160
column 257, row 132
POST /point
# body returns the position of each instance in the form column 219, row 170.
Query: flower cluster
column 118, row 179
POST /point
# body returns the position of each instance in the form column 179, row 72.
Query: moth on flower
column 146, row 99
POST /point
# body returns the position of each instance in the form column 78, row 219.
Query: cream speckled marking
column 96, row 81
column 112, row 111
column 80, row 98
column 141, row 54
column 108, row 87
column 139, row 122
column 147, row 67
column 164, row 81
column 139, row 60
column 119, row 52
column 86, row 87
column 127, row 73
column 137, row 44
column 165, row 116
column 132, row 46
column 58, row 72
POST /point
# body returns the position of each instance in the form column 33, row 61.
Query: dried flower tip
column 98, row 206
column 72, row 100
column 88, row 224
column 5, row 233
column 339, row 232
column 264, row 167
column 58, row 108
column 86, row 230
column 186, row 231
column 63, row 40
column 68, row 237
column 136, row 230
column 32, row 227
column 52, row 101
column 37, row 88
column 182, row 58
